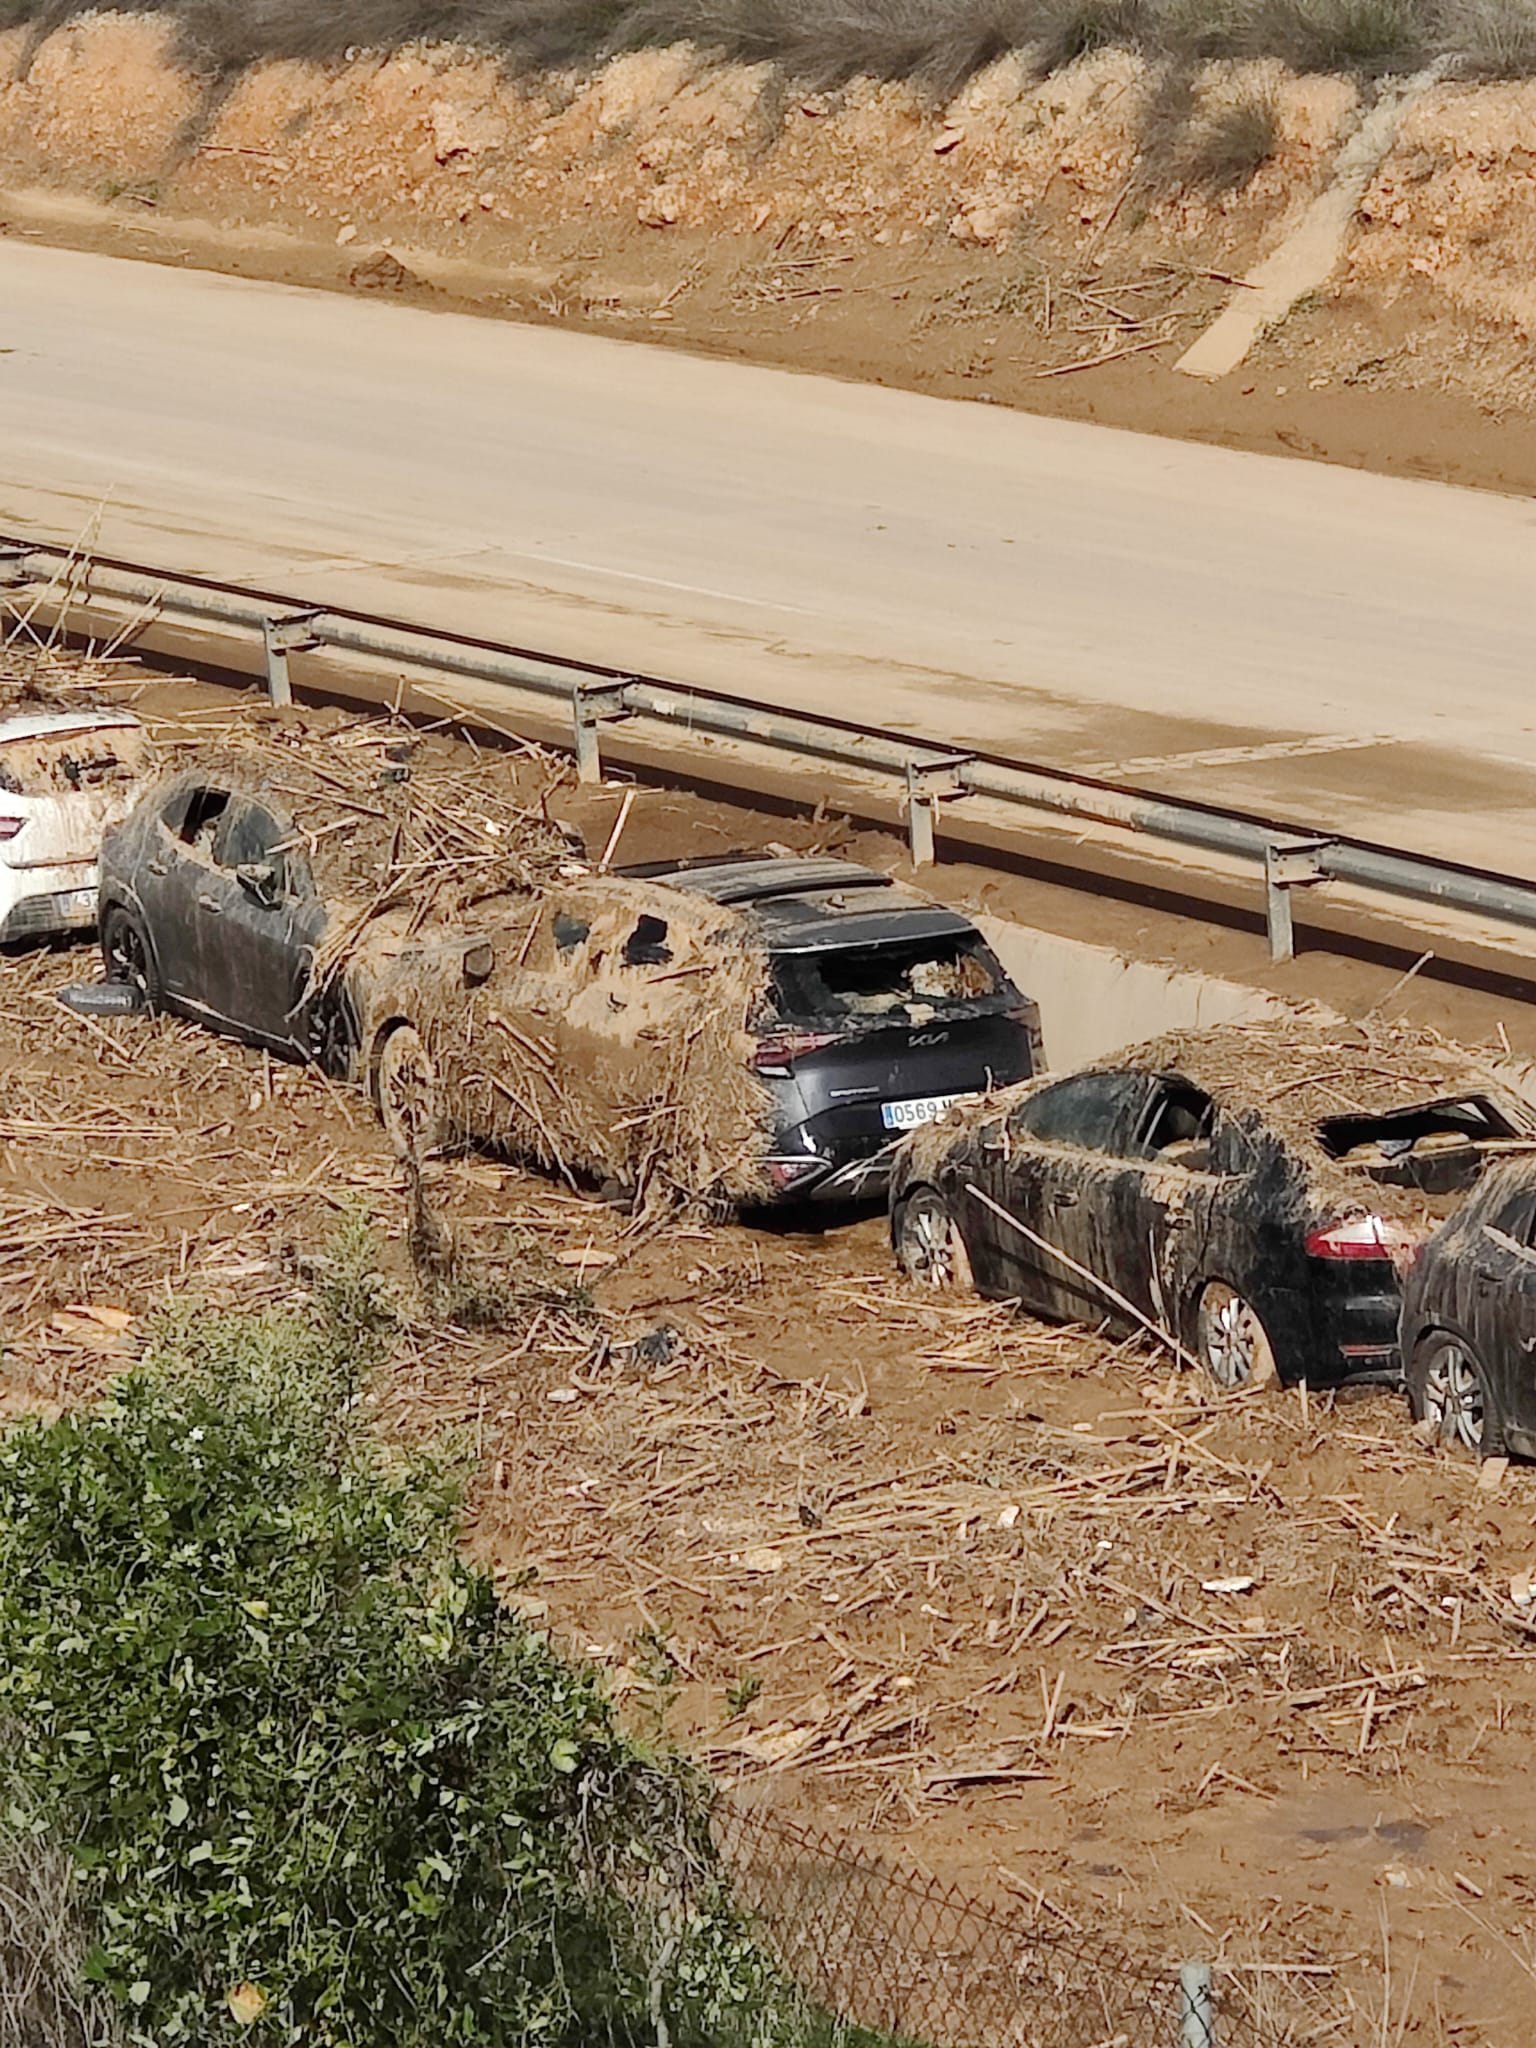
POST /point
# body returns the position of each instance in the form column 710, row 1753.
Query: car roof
column 1299, row 1074
column 801, row 904
column 38, row 724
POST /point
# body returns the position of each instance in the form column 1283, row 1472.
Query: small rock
column 660, row 210
column 382, row 272
column 1241, row 1584
column 950, row 139
column 344, row 234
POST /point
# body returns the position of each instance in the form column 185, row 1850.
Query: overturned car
column 1253, row 1192
column 738, row 1031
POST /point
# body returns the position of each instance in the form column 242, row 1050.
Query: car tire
column 1231, row 1341
column 333, row 1036
column 127, row 955
column 1448, row 1385
column 929, row 1247
column 406, row 1096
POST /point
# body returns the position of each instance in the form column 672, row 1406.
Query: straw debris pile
column 613, row 1044
column 593, row 1024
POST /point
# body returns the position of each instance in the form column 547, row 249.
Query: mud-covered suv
column 884, row 1008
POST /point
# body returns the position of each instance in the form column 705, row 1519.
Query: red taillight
column 1364, row 1237
column 787, row 1173
column 9, row 827
column 777, row 1050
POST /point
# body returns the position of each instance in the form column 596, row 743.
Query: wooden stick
column 1110, row 1294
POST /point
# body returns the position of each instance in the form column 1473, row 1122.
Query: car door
column 1500, row 1309
column 1164, row 1202
column 1053, row 1173
column 253, row 957
column 170, row 877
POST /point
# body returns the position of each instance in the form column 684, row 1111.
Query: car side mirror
column 262, row 880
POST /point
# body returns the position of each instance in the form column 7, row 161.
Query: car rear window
column 1439, row 1147
column 54, row 763
column 908, row 981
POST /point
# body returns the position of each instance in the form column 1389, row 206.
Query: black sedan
column 1469, row 1320
column 1252, row 1192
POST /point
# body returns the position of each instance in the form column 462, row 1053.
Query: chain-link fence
column 886, row 1946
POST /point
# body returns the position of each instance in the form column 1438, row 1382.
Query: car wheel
column 333, row 1036
column 1448, row 1387
column 1230, row 1338
column 405, row 1089
column 929, row 1247
column 126, row 955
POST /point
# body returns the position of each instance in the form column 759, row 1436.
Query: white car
column 65, row 776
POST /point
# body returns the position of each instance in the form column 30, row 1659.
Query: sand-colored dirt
column 960, row 1585
column 1018, row 246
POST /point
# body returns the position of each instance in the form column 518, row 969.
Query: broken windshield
column 909, row 981
column 1438, row 1147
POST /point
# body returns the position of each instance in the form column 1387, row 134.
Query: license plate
column 922, row 1109
column 80, row 902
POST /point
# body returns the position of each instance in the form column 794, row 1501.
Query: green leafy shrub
column 316, row 1783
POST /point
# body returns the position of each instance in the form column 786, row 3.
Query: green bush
column 317, row 1784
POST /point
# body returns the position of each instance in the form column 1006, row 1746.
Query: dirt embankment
column 1034, row 242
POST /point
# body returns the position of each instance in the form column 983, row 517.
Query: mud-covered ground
column 1025, row 245
column 1236, row 1675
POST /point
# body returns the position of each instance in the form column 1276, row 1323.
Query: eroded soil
column 1019, row 247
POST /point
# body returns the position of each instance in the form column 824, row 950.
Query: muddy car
column 65, row 776
column 1468, row 1329
column 1253, row 1192
column 883, row 1010
column 752, row 1031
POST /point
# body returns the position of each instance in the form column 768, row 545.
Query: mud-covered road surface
column 1338, row 649
column 1237, row 1675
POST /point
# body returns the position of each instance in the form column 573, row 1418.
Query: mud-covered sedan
column 1469, row 1320
column 1254, row 1192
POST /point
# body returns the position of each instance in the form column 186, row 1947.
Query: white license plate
column 80, row 902
column 922, row 1109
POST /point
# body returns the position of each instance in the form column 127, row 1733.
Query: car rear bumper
column 807, row 1177
column 43, row 913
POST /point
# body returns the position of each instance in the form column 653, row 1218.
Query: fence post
column 928, row 783
column 1197, row 2014
column 1289, row 864
column 592, row 705
column 280, row 638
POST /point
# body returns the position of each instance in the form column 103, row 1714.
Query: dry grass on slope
column 937, row 44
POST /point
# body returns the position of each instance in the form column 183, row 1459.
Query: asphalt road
column 1328, row 646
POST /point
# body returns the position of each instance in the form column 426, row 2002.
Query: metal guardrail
column 928, row 775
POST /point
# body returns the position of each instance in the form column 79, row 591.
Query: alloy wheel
column 407, row 1095
column 929, row 1247
column 1233, row 1343
column 127, row 955
column 1453, row 1396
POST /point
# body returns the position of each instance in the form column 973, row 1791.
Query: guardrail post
column 928, row 783
column 1289, row 864
column 1197, row 2011
column 281, row 637
column 592, row 704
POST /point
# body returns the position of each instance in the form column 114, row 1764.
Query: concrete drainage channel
column 1093, row 998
